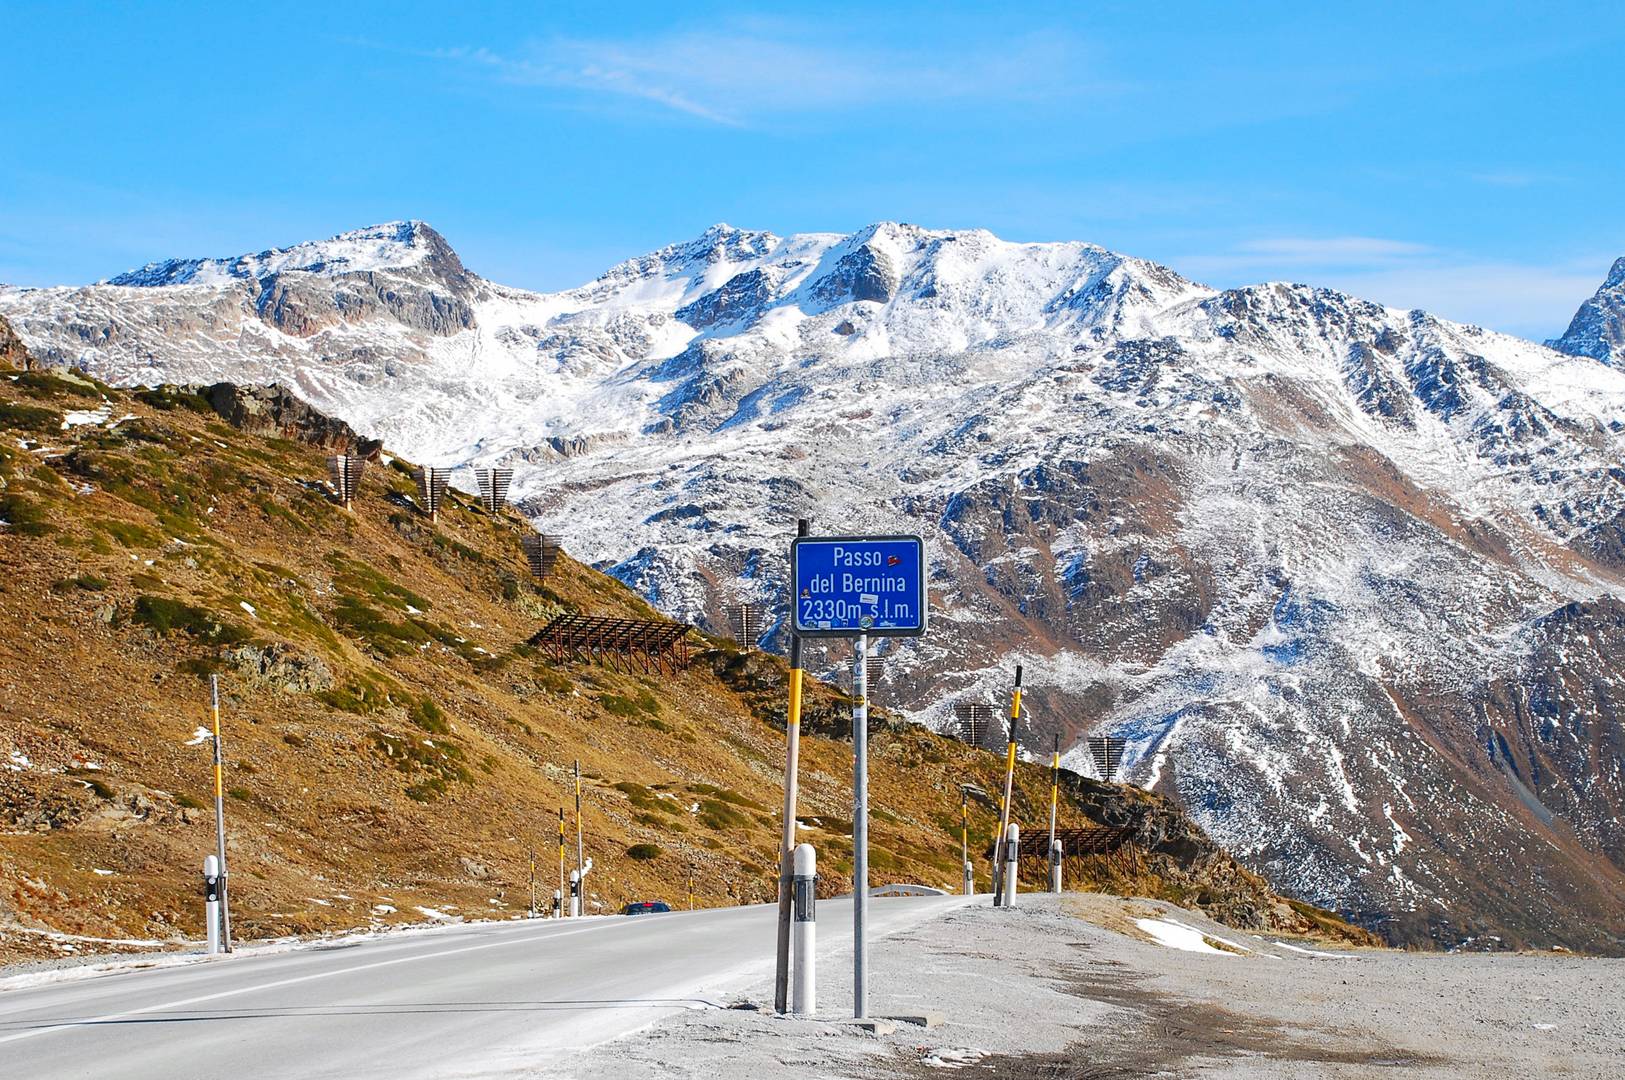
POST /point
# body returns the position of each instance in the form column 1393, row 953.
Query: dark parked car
column 646, row 907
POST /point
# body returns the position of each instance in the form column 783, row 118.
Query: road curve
column 480, row 1000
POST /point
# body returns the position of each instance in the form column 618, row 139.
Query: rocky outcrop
column 282, row 667
column 273, row 410
column 13, row 353
column 862, row 274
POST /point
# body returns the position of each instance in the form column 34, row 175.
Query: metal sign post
column 860, row 828
column 859, row 587
column 220, row 815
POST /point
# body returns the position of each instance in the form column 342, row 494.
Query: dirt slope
column 392, row 742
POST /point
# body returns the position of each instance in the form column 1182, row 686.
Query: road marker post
column 792, row 767
column 1012, row 861
column 1009, row 783
column 1055, row 854
column 1054, row 799
column 964, row 841
column 211, row 903
column 220, row 815
column 804, row 1000
column 558, row 903
column 575, row 893
column 581, row 865
column 560, row 891
column 857, row 587
column 533, row 911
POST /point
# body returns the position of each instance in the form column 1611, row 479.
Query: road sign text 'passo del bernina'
column 850, row 585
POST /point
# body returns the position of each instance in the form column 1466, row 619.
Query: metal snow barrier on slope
column 650, row 645
column 344, row 470
column 1107, row 752
column 542, row 553
column 432, row 483
column 1114, row 844
column 975, row 718
column 747, row 621
column 493, row 487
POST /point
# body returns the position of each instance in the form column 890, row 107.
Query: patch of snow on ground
column 83, row 417
column 1175, row 936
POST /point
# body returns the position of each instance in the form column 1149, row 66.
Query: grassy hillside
column 391, row 741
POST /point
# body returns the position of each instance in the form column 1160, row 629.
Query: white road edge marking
column 109, row 1017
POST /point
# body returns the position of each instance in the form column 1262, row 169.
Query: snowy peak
column 395, row 245
column 1598, row 329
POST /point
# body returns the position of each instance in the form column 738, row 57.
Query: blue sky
column 1464, row 157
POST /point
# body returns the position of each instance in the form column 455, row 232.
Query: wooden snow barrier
column 1114, row 844
column 542, row 553
column 647, row 645
column 344, row 470
column 975, row 718
column 432, row 482
column 493, row 487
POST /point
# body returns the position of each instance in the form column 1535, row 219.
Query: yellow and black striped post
column 792, row 765
column 964, row 841
column 1009, row 784
column 561, row 893
column 220, row 814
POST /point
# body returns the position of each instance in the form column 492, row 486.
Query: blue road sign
column 851, row 585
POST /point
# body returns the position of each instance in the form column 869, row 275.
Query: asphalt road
column 486, row 999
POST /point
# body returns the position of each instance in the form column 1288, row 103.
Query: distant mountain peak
column 392, row 245
column 1598, row 328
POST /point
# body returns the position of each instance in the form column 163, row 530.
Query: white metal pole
column 970, row 881
column 860, row 828
column 1012, row 853
column 575, row 893
column 211, row 902
column 804, row 993
column 1055, row 866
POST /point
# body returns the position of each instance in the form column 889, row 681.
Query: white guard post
column 804, row 943
column 558, row 904
column 211, row 902
column 1012, row 852
column 575, row 893
column 1055, row 868
column 970, row 879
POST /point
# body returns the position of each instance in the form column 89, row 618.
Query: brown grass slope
column 391, row 742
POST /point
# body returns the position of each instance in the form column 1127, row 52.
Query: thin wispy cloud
column 738, row 77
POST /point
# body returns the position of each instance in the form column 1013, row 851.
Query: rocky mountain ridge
column 1598, row 328
column 1342, row 575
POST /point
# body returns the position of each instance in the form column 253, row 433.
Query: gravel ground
column 1074, row 987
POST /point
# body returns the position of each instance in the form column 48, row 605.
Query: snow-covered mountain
column 1598, row 328
column 1348, row 578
